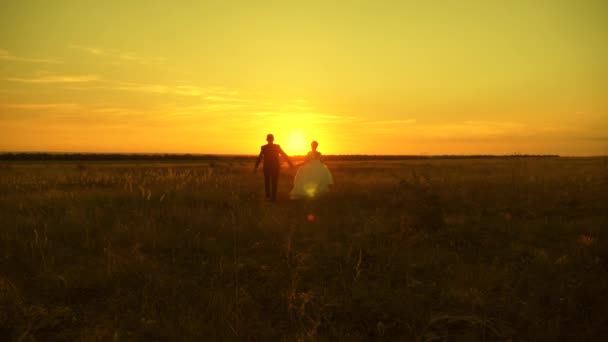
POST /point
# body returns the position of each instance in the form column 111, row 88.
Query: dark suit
column 271, row 153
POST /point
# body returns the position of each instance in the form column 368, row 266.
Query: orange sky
column 446, row 77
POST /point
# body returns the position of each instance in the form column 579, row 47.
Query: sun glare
column 296, row 144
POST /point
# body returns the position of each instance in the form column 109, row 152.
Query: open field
column 459, row 250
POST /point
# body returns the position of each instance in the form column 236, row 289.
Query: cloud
column 209, row 107
column 137, row 59
column 158, row 88
column 473, row 129
column 55, row 79
column 6, row 56
column 91, row 50
column 311, row 117
column 325, row 118
column 188, row 90
column 222, row 91
column 210, row 93
column 337, row 117
column 119, row 55
column 391, row 122
column 226, row 99
column 147, row 88
column 40, row 106
column 82, row 115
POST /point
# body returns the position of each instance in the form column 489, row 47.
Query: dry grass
column 480, row 249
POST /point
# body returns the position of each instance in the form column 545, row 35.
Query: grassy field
column 421, row 250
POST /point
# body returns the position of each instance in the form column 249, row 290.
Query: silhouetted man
column 270, row 152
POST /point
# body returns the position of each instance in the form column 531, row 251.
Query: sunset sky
column 361, row 77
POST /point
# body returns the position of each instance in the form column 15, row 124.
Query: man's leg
column 267, row 182
column 275, row 181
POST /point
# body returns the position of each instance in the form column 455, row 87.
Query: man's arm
column 260, row 156
column 286, row 157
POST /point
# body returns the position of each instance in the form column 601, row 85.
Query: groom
column 270, row 152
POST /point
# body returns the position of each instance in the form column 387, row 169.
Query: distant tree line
column 43, row 156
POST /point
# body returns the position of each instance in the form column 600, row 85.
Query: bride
column 313, row 177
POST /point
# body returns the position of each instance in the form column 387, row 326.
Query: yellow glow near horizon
column 386, row 77
column 296, row 144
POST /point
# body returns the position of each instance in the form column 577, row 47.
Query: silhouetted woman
column 313, row 177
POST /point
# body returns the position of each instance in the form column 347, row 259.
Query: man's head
column 270, row 138
column 314, row 144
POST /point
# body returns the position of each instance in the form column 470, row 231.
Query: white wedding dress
column 312, row 179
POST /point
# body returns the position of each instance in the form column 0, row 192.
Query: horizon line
column 182, row 154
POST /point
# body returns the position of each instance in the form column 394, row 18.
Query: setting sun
column 296, row 143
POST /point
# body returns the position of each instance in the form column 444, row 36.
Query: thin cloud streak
column 55, row 79
column 227, row 99
column 391, row 122
column 477, row 128
column 6, row 56
column 289, row 117
column 216, row 94
column 209, row 107
column 125, row 56
column 91, row 50
column 210, row 93
column 39, row 106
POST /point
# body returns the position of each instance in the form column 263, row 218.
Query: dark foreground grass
column 457, row 250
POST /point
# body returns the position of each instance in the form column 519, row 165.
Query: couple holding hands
column 313, row 177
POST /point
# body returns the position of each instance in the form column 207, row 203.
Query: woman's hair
column 314, row 144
